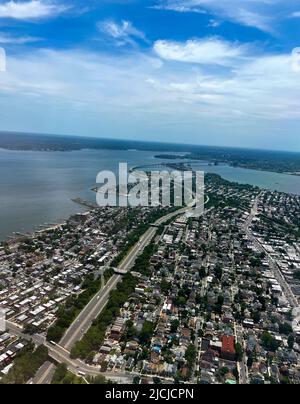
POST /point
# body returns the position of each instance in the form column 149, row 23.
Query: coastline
column 158, row 157
column 35, row 232
column 72, row 177
column 191, row 160
column 275, row 161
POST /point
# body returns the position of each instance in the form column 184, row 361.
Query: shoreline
column 44, row 228
column 220, row 163
column 157, row 154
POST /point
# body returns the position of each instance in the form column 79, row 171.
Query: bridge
column 179, row 166
column 120, row 271
column 158, row 166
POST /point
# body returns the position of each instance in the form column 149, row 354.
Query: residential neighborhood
column 208, row 300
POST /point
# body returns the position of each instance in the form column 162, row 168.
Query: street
column 60, row 353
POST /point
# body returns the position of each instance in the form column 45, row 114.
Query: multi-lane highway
column 44, row 374
column 61, row 352
column 88, row 314
column 83, row 322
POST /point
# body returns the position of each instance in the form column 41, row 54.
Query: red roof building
column 228, row 349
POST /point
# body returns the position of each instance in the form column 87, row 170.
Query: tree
column 30, row 329
column 60, row 373
column 223, row 371
column 93, row 339
column 131, row 331
column 239, row 351
column 219, row 304
column 297, row 275
column 285, row 328
column 291, row 341
column 63, row 376
column 190, row 355
column 98, row 380
column 26, row 364
column 136, row 380
column 269, row 342
column 218, row 271
column 256, row 317
column 255, row 262
column 202, row 272
column 250, row 361
column 174, row 326
column 146, row 333
column 55, row 333
column 165, row 286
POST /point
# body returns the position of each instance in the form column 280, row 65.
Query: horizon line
column 145, row 141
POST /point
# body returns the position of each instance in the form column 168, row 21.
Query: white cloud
column 253, row 19
column 179, row 6
column 202, row 51
column 13, row 40
column 2, row 60
column 123, row 33
column 214, row 23
column 296, row 14
column 254, row 13
column 135, row 94
column 33, row 9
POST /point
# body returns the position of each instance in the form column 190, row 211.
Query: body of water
column 289, row 184
column 37, row 187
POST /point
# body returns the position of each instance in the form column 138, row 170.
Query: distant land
column 266, row 160
column 279, row 162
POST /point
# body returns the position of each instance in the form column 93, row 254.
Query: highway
column 61, row 352
column 44, row 374
column 83, row 322
column 61, row 355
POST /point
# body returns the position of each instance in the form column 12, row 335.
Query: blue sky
column 218, row 72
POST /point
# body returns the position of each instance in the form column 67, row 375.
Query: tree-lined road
column 84, row 321
column 44, row 374
column 61, row 352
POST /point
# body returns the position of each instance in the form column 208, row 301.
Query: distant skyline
column 207, row 72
